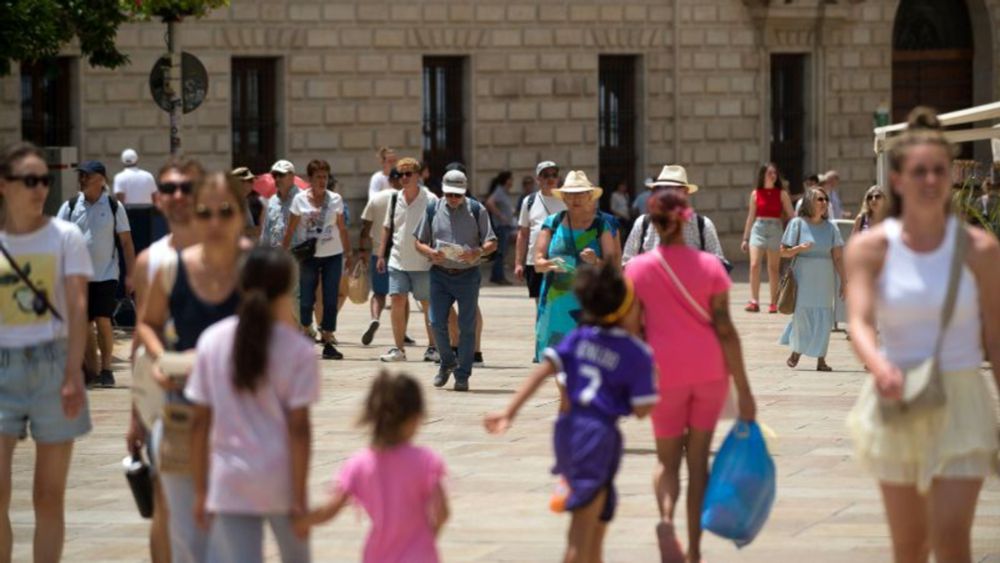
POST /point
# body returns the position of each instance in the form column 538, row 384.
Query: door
column 443, row 113
column 788, row 117
column 253, row 113
column 617, row 124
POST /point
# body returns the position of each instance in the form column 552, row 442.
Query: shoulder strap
column 477, row 209
column 168, row 271
column 701, row 230
column 954, row 279
column 702, row 313
column 531, row 201
column 71, row 202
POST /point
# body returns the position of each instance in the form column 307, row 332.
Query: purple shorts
column 588, row 452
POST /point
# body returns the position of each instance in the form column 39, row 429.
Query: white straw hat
column 673, row 176
column 577, row 183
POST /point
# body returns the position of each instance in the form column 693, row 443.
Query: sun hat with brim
column 242, row 173
column 577, row 183
column 673, row 176
column 454, row 182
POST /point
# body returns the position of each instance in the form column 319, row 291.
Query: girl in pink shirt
column 397, row 483
column 695, row 351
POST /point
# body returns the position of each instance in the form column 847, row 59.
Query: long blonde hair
column 866, row 207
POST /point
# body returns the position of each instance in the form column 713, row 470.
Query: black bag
column 304, row 250
column 141, row 483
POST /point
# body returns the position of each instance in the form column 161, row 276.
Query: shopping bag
column 357, row 284
column 741, row 486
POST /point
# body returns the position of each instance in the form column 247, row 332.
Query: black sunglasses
column 278, row 174
column 453, row 196
column 407, row 174
column 549, row 176
column 874, row 197
column 225, row 212
column 169, row 188
column 32, row 180
column 823, row 199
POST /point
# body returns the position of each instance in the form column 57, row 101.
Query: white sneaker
column 431, row 355
column 393, row 355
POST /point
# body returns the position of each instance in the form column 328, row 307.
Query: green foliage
column 968, row 203
column 171, row 10
column 32, row 30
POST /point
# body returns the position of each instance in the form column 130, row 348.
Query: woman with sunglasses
column 192, row 292
column 871, row 210
column 44, row 271
column 815, row 244
column 930, row 463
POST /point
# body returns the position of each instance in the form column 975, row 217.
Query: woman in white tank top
column 930, row 464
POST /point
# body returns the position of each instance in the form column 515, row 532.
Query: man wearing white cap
column 133, row 185
column 272, row 232
column 535, row 208
column 699, row 232
column 454, row 235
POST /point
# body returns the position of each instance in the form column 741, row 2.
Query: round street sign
column 194, row 82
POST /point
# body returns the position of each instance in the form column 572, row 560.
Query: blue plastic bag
column 741, row 486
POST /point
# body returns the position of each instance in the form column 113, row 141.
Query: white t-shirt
column 47, row 256
column 317, row 224
column 375, row 212
column 378, row 183
column 137, row 185
column 404, row 255
column 532, row 219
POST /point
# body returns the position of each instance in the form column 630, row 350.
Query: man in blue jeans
column 455, row 234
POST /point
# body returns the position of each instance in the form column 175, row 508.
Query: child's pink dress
column 395, row 486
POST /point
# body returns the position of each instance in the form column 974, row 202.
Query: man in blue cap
column 105, row 226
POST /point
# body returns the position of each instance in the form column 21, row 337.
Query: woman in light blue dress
column 817, row 246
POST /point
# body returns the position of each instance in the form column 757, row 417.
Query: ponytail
column 392, row 401
column 267, row 274
column 253, row 335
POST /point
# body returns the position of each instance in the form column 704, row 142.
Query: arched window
column 932, row 56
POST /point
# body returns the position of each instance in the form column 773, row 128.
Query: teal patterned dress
column 558, row 308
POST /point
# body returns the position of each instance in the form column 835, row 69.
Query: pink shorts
column 697, row 405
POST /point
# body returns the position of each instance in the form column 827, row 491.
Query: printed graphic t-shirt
column 47, row 256
column 317, row 223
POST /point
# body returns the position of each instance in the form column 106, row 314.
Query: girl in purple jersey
column 604, row 373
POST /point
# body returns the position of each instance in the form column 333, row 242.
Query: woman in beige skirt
column 930, row 463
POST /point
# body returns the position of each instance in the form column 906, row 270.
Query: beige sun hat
column 577, row 183
column 673, row 176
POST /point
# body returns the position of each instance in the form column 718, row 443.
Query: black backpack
column 701, row 237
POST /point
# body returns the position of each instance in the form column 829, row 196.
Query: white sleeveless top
column 157, row 251
column 911, row 292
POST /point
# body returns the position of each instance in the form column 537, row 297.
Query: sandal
column 773, row 309
column 670, row 547
column 752, row 307
column 793, row 360
column 822, row 366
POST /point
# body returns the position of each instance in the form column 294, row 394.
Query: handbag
column 788, row 287
column 923, row 386
column 175, row 447
column 140, row 481
column 357, row 283
column 148, row 397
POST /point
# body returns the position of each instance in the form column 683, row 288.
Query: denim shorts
column 766, row 233
column 380, row 280
column 31, row 381
column 417, row 283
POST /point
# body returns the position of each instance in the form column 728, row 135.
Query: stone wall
column 350, row 80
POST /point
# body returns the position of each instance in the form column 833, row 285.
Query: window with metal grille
column 46, row 117
column 617, row 115
column 254, row 107
column 788, row 117
column 443, row 112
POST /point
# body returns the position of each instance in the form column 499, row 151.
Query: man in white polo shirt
column 535, row 208
column 133, row 185
column 409, row 271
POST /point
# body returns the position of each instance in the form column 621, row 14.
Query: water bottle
column 141, row 482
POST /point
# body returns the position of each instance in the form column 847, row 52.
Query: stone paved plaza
column 826, row 510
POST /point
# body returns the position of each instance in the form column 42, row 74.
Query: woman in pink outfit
column 398, row 484
column 695, row 352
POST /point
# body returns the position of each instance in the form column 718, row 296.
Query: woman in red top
column 769, row 205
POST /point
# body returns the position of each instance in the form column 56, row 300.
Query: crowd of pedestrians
column 228, row 298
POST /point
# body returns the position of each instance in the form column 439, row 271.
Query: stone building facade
column 538, row 79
